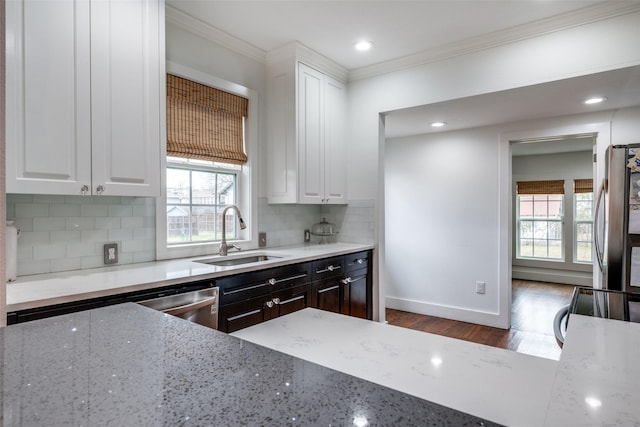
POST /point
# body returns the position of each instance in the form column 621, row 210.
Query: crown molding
column 598, row 12
column 296, row 51
column 206, row 31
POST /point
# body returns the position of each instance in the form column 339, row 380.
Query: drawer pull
column 274, row 281
column 269, row 304
column 329, row 268
column 333, row 288
column 289, row 300
column 347, row 280
column 359, row 261
column 240, row 316
column 276, row 301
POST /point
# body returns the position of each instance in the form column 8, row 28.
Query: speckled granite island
column 127, row 365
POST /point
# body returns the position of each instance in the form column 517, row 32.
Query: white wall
column 441, row 222
column 596, row 47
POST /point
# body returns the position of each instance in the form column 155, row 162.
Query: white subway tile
column 132, row 246
column 49, row 224
column 92, row 261
column 47, row 198
column 133, row 222
column 23, row 224
column 94, row 210
column 107, row 223
column 94, row 236
column 33, row 267
column 64, row 211
column 120, row 234
column 65, row 236
column 120, row 210
column 25, row 253
column 144, row 210
column 34, row 238
column 82, row 249
column 80, row 223
column 31, row 210
column 66, row 264
column 51, row 251
column 19, row 198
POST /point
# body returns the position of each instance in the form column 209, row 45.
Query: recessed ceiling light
column 364, row 45
column 438, row 124
column 595, row 100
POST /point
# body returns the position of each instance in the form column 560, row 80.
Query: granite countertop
column 129, row 365
column 594, row 383
column 69, row 286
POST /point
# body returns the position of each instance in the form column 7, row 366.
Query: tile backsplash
column 60, row 233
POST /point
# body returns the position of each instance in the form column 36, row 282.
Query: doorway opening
column 551, row 227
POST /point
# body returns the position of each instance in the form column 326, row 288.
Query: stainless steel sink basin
column 231, row 261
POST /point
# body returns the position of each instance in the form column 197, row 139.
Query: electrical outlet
column 111, row 253
column 480, row 287
column 262, row 239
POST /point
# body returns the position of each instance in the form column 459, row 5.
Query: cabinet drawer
column 356, row 261
column 234, row 317
column 329, row 267
column 259, row 283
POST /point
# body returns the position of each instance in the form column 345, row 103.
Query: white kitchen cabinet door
column 321, row 138
column 335, row 148
column 310, row 135
column 48, row 130
column 126, row 86
column 84, row 91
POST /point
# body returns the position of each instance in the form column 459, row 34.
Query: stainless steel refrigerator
column 617, row 220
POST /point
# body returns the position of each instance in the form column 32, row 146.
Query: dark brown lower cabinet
column 338, row 284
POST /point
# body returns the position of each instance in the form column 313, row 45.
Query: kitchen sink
column 238, row 260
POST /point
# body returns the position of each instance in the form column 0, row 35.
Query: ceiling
column 559, row 98
column 397, row 28
column 407, row 29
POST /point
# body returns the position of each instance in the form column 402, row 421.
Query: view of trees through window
column 195, row 200
column 540, row 226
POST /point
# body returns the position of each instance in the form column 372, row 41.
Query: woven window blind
column 540, row 187
column 582, row 186
column 204, row 123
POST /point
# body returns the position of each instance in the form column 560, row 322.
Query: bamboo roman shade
column 540, row 187
column 583, row 186
column 204, row 123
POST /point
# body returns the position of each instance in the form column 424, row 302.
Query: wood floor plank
column 533, row 307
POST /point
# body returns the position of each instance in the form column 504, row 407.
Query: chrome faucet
column 224, row 247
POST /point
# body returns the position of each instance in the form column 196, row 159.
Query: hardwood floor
column 534, row 305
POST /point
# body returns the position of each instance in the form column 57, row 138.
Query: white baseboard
column 447, row 312
column 576, row 278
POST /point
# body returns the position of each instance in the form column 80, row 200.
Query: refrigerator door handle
column 596, row 242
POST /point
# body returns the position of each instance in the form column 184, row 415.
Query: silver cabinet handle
column 269, row 304
column 84, row 190
column 359, row 261
column 329, row 268
column 100, row 189
column 274, row 281
column 276, row 301
column 333, row 288
column 347, row 280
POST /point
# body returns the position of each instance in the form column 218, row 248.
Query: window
column 540, row 214
column 211, row 147
column 197, row 192
column 583, row 224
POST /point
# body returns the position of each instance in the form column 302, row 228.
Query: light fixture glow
column 364, row 45
column 438, row 124
column 436, row 361
column 360, row 421
column 595, row 100
column 593, row 402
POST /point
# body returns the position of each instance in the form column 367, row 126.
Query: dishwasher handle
column 175, row 311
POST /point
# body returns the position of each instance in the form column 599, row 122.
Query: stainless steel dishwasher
column 197, row 306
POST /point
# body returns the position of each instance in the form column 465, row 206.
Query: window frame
column 576, row 222
column 547, row 219
column 246, row 178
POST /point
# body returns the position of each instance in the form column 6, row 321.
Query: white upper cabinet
column 84, row 93
column 306, row 135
